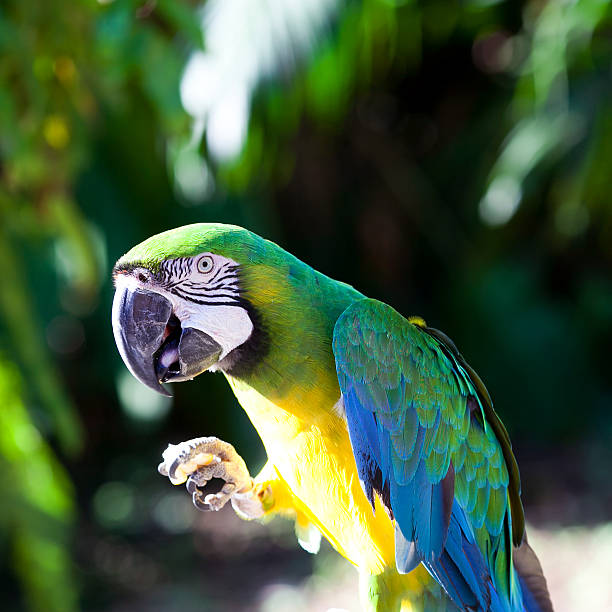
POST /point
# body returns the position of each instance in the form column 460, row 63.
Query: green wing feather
column 430, row 411
column 490, row 416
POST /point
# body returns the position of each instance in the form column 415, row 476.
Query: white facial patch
column 127, row 281
column 229, row 326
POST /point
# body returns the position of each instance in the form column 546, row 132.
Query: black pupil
column 142, row 277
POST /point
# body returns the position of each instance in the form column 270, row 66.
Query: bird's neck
column 295, row 310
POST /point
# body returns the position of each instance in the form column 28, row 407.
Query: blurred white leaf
column 246, row 42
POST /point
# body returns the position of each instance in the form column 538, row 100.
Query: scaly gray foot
column 199, row 460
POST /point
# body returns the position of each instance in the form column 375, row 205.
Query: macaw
column 378, row 434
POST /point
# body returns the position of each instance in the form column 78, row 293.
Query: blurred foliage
column 451, row 158
column 36, row 505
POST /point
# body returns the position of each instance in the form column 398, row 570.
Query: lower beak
column 152, row 343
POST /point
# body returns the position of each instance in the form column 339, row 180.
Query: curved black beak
column 152, row 343
column 139, row 324
column 185, row 354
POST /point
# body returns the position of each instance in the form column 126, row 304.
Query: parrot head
column 182, row 302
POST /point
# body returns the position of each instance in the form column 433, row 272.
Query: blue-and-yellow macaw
column 378, row 433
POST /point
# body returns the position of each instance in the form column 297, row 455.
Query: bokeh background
column 452, row 158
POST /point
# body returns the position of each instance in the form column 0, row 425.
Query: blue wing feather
column 418, row 427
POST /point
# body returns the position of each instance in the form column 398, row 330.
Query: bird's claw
column 199, row 460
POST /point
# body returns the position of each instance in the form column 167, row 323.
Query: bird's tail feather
column 533, row 584
column 463, row 574
column 461, row 569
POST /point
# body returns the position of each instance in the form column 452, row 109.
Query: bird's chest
column 313, row 454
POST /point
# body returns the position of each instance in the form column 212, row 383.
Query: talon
column 199, row 504
column 175, row 472
column 173, row 467
column 193, row 484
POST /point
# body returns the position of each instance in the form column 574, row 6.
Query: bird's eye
column 142, row 277
column 205, row 264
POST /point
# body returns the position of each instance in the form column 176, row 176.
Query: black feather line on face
column 206, row 296
column 221, row 269
column 175, row 271
column 231, row 286
column 220, row 280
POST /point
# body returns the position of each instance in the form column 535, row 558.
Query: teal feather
column 437, row 465
column 430, row 412
column 472, row 497
column 482, row 473
column 462, row 489
column 395, row 396
column 459, row 457
column 475, row 439
column 495, row 512
column 481, row 507
column 442, row 440
column 470, row 465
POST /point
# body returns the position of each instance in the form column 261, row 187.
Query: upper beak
column 153, row 345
